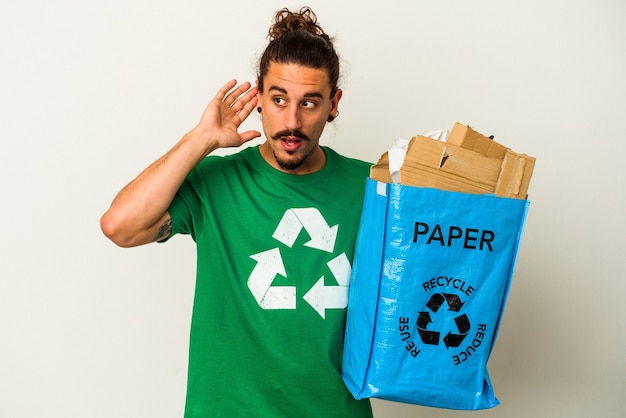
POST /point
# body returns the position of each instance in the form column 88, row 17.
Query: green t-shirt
column 274, row 253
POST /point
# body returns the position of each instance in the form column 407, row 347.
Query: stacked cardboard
column 467, row 162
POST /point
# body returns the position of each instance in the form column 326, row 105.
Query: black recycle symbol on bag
column 424, row 319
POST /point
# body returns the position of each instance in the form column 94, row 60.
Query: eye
column 309, row 104
column 279, row 101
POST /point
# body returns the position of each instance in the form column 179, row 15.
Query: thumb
column 249, row 135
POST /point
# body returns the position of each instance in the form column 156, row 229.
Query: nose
column 292, row 118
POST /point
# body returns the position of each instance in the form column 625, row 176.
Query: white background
column 91, row 92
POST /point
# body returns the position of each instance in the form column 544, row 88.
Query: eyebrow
column 313, row 94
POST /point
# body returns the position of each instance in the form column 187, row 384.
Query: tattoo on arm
column 164, row 230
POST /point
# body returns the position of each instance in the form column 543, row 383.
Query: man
column 275, row 227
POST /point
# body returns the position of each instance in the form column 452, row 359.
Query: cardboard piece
column 468, row 162
column 380, row 171
column 465, row 137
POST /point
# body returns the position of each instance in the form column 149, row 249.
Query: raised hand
column 138, row 214
column 219, row 124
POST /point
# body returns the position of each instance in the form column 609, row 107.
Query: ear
column 258, row 94
column 334, row 103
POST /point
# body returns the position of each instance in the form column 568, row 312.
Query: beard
column 290, row 164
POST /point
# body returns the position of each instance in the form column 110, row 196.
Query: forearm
column 138, row 214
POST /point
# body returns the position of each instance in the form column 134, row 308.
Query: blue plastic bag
column 430, row 278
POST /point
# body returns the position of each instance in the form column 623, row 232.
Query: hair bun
column 286, row 21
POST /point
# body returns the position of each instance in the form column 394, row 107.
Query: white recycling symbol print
column 270, row 264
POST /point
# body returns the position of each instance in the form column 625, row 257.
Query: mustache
column 296, row 133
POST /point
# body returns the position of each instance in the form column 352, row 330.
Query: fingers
column 221, row 93
column 243, row 98
column 244, row 107
column 246, row 101
column 226, row 112
column 230, row 98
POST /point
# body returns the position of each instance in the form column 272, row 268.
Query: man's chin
column 289, row 164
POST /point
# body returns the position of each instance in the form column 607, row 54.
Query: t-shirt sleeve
column 186, row 203
column 180, row 213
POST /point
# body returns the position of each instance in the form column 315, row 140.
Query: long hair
column 297, row 38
